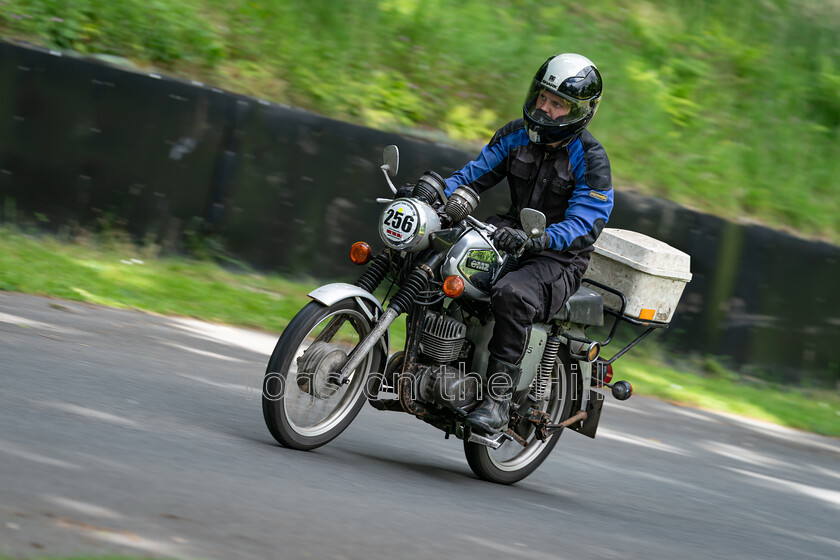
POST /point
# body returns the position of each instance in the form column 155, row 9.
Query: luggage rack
column 619, row 317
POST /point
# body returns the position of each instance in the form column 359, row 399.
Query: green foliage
column 385, row 100
column 156, row 31
column 731, row 106
column 713, row 368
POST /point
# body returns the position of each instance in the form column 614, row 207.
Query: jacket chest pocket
column 560, row 192
column 558, row 195
column 520, row 175
column 562, row 187
column 563, row 182
column 522, row 167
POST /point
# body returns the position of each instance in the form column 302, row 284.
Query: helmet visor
column 551, row 108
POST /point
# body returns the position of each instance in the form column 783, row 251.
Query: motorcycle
column 335, row 353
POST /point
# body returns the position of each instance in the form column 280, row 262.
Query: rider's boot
column 494, row 412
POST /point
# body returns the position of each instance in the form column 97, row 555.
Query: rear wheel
column 512, row 462
column 302, row 406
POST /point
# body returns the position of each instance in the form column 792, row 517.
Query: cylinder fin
column 442, row 338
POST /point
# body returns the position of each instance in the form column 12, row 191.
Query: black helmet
column 572, row 77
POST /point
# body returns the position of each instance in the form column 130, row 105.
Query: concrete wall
column 82, row 143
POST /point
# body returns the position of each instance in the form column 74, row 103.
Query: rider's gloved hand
column 537, row 244
column 405, row 191
column 510, row 239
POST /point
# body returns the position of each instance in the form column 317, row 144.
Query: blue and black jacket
column 571, row 185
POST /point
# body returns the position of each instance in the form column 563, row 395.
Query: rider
column 552, row 164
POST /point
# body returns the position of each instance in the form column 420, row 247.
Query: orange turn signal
column 360, row 252
column 453, row 286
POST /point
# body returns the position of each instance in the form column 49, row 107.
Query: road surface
column 129, row 433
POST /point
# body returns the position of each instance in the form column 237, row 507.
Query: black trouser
column 533, row 293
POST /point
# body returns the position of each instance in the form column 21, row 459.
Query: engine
column 444, row 379
column 443, row 338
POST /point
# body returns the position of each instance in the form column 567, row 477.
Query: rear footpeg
column 493, row 441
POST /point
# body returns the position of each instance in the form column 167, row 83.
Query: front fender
column 330, row 294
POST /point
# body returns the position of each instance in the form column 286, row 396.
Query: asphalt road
column 128, row 433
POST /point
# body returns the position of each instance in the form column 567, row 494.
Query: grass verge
column 119, row 274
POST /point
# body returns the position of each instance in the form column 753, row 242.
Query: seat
column 585, row 307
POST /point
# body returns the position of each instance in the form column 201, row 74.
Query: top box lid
column 644, row 253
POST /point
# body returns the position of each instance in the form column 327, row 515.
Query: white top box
column 651, row 274
column 643, row 253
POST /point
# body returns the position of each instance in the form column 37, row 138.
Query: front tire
column 511, row 462
column 301, row 408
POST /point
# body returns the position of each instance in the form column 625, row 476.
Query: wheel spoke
column 302, row 404
column 313, row 411
column 512, row 462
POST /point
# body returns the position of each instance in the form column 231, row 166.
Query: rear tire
column 511, row 462
column 302, row 410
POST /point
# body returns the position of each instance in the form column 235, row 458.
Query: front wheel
column 302, row 406
column 511, row 462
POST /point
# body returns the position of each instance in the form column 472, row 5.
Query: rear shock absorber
column 375, row 273
column 542, row 382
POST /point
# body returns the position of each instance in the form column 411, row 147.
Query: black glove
column 510, row 239
column 405, row 191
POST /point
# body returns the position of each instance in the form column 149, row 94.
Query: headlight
column 405, row 224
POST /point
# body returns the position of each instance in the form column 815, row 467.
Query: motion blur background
column 176, row 118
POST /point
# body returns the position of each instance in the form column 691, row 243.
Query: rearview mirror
column 391, row 160
column 533, row 222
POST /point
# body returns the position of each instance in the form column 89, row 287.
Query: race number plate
column 399, row 223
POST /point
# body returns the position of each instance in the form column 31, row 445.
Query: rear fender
column 330, row 294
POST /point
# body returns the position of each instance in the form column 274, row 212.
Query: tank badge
column 478, row 265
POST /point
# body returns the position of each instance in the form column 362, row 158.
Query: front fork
column 368, row 281
column 400, row 303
